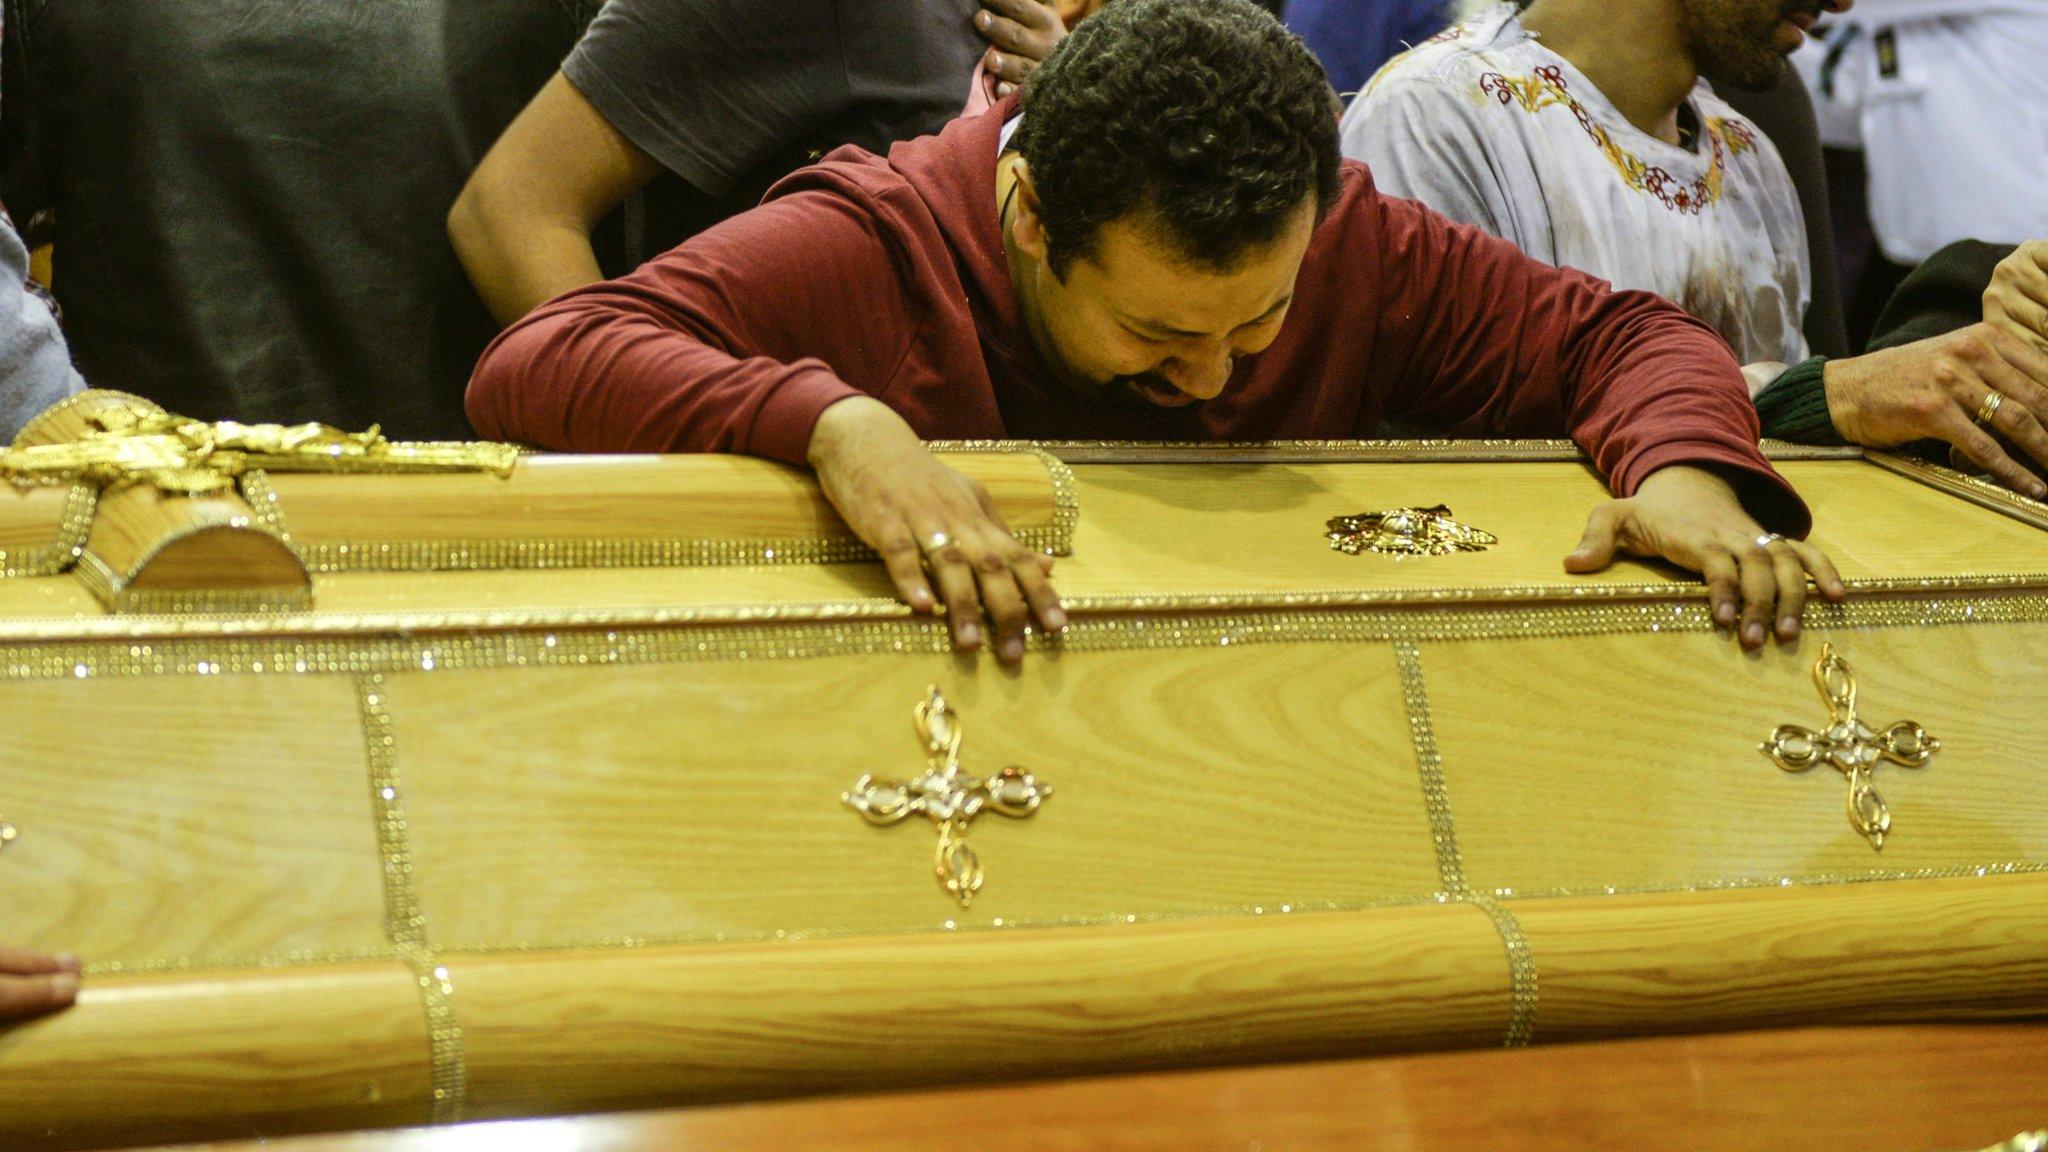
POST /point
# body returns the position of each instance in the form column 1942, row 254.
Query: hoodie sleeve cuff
column 782, row 426
column 1795, row 406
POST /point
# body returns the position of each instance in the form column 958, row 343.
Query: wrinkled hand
column 1693, row 518
column 2017, row 300
column 1022, row 33
column 1934, row 389
column 897, row 497
column 32, row 983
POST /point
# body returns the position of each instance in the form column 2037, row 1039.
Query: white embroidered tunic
column 1489, row 127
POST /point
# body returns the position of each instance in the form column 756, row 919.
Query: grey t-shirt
column 35, row 370
column 732, row 94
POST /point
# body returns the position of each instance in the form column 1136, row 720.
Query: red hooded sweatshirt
column 887, row 277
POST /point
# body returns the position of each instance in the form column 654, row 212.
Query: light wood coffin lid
column 647, row 1020
column 1178, row 536
column 557, row 512
column 141, row 550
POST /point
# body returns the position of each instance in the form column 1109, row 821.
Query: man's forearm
column 518, row 264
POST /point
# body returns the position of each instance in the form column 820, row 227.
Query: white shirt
column 1490, row 128
column 1952, row 119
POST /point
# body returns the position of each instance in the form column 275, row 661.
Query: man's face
column 1747, row 40
column 1134, row 323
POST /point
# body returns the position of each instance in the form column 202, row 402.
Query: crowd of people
column 825, row 232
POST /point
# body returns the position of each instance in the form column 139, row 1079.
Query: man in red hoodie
column 1157, row 242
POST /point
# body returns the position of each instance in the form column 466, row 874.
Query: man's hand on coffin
column 1937, row 388
column 937, row 531
column 2017, row 300
column 32, row 983
column 1022, row 33
column 1693, row 518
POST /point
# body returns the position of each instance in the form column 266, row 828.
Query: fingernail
column 1055, row 619
column 1724, row 615
column 1788, row 627
column 995, row 60
column 1754, row 634
column 70, row 961
column 64, row 984
column 2038, row 489
column 970, row 634
column 981, row 19
column 1013, row 650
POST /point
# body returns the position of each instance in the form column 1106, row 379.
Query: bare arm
column 522, row 224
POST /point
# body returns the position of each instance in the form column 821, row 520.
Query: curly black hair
column 1208, row 115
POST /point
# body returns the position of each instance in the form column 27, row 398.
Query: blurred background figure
column 1353, row 38
column 249, row 194
column 1936, row 114
column 35, row 368
column 705, row 103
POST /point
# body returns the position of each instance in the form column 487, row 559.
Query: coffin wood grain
column 1915, row 1089
column 1632, row 760
column 592, row 1030
column 160, row 542
column 1962, row 949
column 196, row 819
column 30, row 517
column 703, row 799
column 614, row 498
column 297, row 1050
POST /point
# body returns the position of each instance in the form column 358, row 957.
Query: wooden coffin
column 460, row 833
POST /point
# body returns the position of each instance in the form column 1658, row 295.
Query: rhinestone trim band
column 1436, row 798
column 403, row 920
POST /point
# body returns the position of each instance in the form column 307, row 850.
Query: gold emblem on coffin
column 137, row 443
column 948, row 796
column 1851, row 746
column 1407, row 532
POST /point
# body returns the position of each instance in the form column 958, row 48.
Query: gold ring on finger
column 934, row 542
column 1989, row 407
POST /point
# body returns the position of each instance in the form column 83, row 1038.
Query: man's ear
column 1027, row 227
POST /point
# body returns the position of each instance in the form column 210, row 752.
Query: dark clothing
column 1941, row 294
column 732, row 95
column 252, row 195
column 1784, row 112
column 888, row 278
column 1354, row 37
column 1937, row 297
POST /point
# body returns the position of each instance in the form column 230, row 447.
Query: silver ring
column 935, row 541
column 1989, row 407
column 1768, row 539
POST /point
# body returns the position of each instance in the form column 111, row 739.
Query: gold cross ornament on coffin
column 1851, row 746
column 948, row 796
column 135, row 442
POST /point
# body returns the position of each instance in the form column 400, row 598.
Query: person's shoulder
column 1361, row 204
column 848, row 171
column 1456, row 59
column 910, row 193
